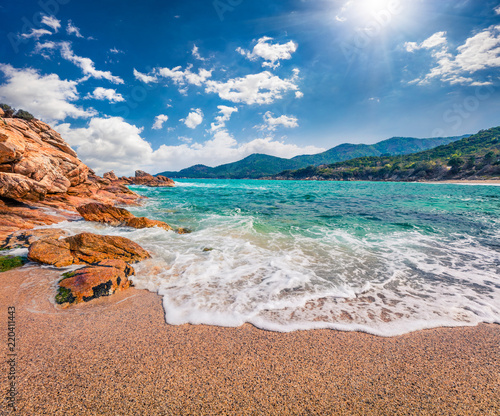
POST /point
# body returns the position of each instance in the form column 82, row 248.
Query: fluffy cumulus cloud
column 51, row 22
column 46, row 96
column 480, row 52
column 436, row 39
column 180, row 77
column 106, row 94
column 147, row 79
column 109, row 144
column 221, row 149
column 271, row 123
column 71, row 29
column 159, row 121
column 269, row 52
column 87, row 65
column 225, row 115
column 497, row 10
column 262, row 88
column 194, row 118
column 114, row 136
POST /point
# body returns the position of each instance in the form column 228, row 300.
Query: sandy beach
column 116, row 356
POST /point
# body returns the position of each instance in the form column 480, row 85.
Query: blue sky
column 163, row 85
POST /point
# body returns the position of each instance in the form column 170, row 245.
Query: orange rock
column 143, row 222
column 106, row 214
column 143, row 178
column 50, row 251
column 85, row 248
column 92, row 282
column 13, row 185
column 39, row 154
column 26, row 238
column 110, row 176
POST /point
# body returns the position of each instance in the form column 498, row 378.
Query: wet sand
column 116, row 356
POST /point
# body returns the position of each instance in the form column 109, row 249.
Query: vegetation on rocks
column 11, row 262
column 475, row 157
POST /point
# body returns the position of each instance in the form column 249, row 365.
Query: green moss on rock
column 67, row 275
column 10, row 262
column 64, row 295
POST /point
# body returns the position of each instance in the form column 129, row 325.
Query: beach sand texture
column 116, row 356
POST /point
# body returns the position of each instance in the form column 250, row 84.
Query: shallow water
column 385, row 258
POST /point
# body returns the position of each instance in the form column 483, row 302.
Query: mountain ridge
column 258, row 165
column 474, row 157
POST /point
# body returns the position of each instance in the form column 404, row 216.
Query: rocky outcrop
column 110, row 176
column 85, row 248
column 141, row 178
column 92, row 282
column 35, row 161
column 110, row 215
column 15, row 215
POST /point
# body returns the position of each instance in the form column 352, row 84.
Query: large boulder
column 85, row 248
column 108, row 214
column 105, row 214
column 92, row 282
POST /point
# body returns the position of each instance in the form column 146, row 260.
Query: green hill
column 474, row 157
column 260, row 165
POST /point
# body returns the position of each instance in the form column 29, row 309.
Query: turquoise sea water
column 385, row 258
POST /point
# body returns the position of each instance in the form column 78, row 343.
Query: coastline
column 116, row 355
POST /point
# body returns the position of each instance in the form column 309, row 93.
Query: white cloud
column 497, row 10
column 271, row 53
column 159, row 120
column 221, row 120
column 108, row 94
column 299, row 94
column 115, row 51
column 180, row 77
column 435, row 40
column 71, row 29
column 109, row 144
column 271, row 123
column 194, row 118
column 52, row 22
column 144, row 77
column 36, row 34
column 46, row 96
column 262, row 88
column 114, row 136
column 196, row 53
column 87, row 65
column 479, row 52
column 223, row 148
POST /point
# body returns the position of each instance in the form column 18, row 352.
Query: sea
column 379, row 257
